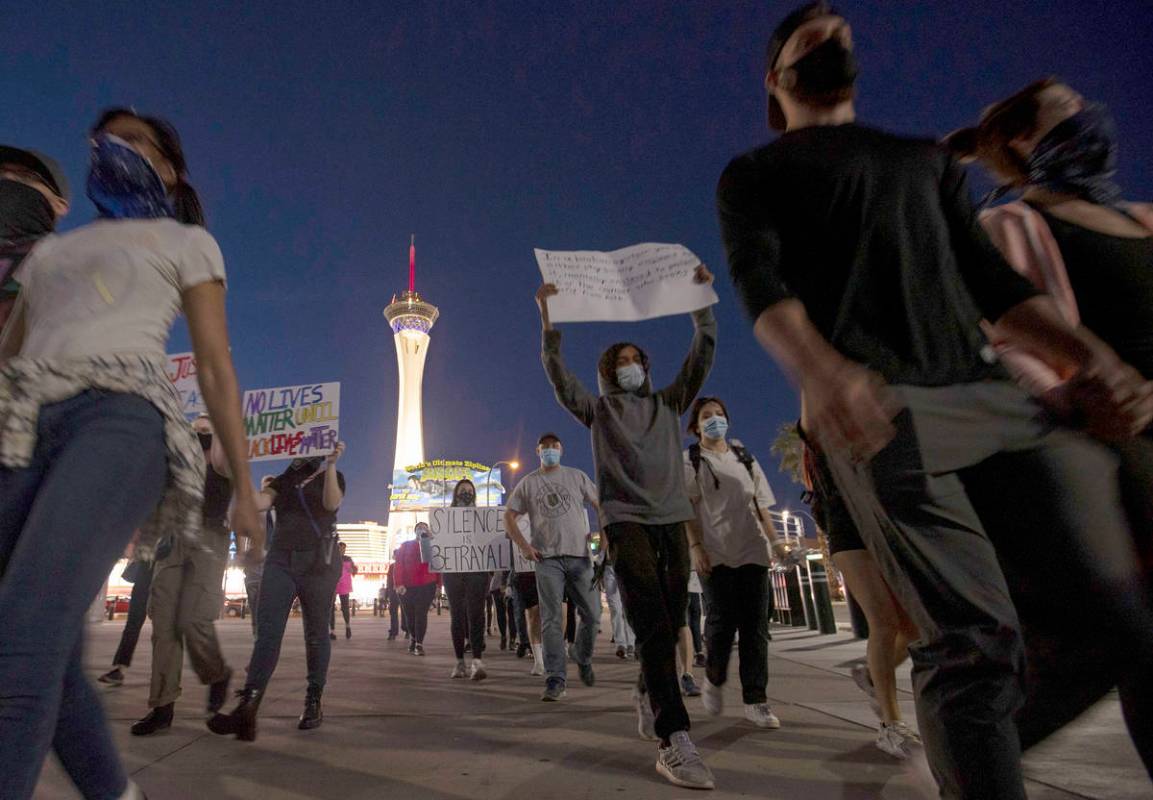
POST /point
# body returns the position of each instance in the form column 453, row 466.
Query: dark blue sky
column 322, row 135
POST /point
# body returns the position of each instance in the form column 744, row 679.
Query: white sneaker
column 681, row 764
column 713, row 698
column 864, row 681
column 537, row 661
column 132, row 792
column 478, row 672
column 761, row 715
column 646, row 719
column 460, row 670
column 897, row 739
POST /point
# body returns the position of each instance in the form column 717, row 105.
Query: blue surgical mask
column 123, row 184
column 550, row 456
column 631, row 377
column 715, row 428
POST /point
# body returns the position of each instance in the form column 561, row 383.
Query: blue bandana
column 1079, row 157
column 123, row 184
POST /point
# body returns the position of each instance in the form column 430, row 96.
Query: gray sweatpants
column 914, row 511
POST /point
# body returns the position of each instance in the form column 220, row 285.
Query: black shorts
column 526, row 586
column 830, row 511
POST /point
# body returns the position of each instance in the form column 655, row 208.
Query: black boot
column 218, row 693
column 313, row 715
column 242, row 721
column 158, row 719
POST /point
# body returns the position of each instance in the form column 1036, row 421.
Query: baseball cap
column 47, row 168
column 547, row 437
column 780, row 37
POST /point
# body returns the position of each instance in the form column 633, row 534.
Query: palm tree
column 787, row 447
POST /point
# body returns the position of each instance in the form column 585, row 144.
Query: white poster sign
column 467, row 540
column 292, row 421
column 182, row 373
column 636, row 283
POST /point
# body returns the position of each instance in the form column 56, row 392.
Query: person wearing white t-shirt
column 95, row 441
column 729, row 546
column 554, row 499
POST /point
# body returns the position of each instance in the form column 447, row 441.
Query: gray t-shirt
column 555, row 504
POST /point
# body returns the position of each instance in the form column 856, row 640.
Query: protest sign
column 292, row 421
column 639, row 282
column 467, row 540
column 519, row 562
column 182, row 373
column 431, row 484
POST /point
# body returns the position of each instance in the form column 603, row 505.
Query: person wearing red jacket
column 416, row 586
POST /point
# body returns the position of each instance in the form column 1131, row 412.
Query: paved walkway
column 397, row 727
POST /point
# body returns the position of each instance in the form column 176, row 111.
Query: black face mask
column 465, row 498
column 826, row 74
column 305, row 464
column 25, row 214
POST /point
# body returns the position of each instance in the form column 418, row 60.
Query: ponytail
column 186, row 203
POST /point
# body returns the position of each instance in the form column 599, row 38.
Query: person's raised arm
column 699, row 362
column 208, row 326
column 570, row 393
column 333, row 491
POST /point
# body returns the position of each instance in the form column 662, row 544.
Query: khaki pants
column 187, row 596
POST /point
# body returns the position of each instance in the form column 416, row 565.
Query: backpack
column 743, row 456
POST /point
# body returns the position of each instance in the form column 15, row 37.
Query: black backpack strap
column 695, row 457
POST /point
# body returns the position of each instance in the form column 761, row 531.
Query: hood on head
column 607, row 371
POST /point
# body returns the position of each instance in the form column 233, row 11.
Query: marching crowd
column 974, row 399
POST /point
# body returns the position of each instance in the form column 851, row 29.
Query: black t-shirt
column 876, row 235
column 1112, row 279
column 217, row 494
column 294, row 529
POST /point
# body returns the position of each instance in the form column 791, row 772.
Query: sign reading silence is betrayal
column 639, row 282
column 467, row 540
column 285, row 422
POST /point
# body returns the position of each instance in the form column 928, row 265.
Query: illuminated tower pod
column 411, row 319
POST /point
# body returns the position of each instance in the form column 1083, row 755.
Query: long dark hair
column 185, row 200
column 1014, row 117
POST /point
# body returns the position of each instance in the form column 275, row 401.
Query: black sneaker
column 158, row 719
column 348, row 632
column 332, row 635
column 553, row 690
column 699, row 660
column 588, row 677
column 112, row 678
column 218, row 693
column 412, row 648
column 521, row 649
column 689, row 686
column 419, row 651
column 622, row 653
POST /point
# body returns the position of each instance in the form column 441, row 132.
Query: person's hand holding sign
column 331, row 459
column 542, row 295
column 702, row 276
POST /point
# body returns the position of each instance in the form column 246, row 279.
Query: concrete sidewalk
column 397, row 726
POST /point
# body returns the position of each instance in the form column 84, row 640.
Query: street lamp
column 513, row 465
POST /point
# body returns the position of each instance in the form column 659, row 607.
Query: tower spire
column 412, row 264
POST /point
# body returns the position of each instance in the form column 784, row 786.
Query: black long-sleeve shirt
column 876, row 236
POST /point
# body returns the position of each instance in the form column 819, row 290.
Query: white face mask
column 631, row 377
column 715, row 428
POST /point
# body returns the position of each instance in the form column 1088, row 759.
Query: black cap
column 546, row 437
column 780, row 37
column 47, row 168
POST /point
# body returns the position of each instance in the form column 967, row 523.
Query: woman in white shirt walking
column 729, row 546
column 93, row 440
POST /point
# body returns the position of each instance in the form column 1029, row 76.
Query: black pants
column 137, row 613
column 466, row 595
column 289, row 574
column 499, row 609
column 652, row 567
column 344, row 610
column 396, row 610
column 417, row 601
column 695, row 621
column 738, row 601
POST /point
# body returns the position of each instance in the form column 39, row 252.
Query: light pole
column 513, row 465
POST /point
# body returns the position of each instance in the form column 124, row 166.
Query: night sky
column 320, row 139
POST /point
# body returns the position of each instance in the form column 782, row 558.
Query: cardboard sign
column 635, row 283
column 292, row 421
column 467, row 540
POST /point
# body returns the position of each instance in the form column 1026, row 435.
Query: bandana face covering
column 1079, row 157
column 123, row 184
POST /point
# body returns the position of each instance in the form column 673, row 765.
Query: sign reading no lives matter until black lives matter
column 467, row 540
column 292, row 421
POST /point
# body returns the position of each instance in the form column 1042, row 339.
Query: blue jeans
column 553, row 576
column 289, row 574
column 97, row 472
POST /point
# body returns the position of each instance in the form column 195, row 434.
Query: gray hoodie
column 637, row 435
